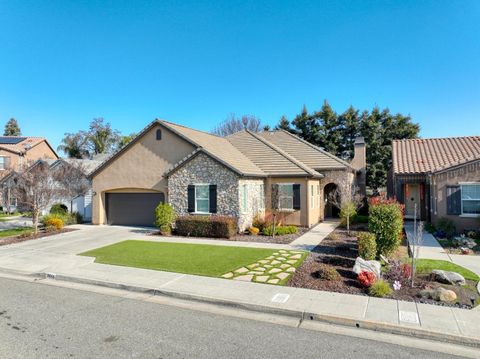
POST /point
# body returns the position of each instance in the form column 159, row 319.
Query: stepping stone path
column 274, row 269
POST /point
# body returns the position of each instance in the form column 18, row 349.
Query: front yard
column 238, row 263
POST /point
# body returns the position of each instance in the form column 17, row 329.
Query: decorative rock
column 370, row 266
column 262, row 279
column 273, row 281
column 283, row 275
column 227, row 275
column 275, row 270
column 244, row 278
column 448, row 277
column 275, row 262
column 293, row 261
column 466, row 251
column 296, row 256
column 291, row 270
column 445, row 295
column 241, row 270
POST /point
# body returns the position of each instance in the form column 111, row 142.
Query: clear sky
column 63, row 63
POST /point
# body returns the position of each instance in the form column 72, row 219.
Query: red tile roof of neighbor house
column 433, row 154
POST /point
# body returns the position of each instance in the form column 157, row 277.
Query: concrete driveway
column 60, row 251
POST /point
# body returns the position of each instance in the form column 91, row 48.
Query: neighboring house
column 441, row 176
column 81, row 204
column 199, row 173
column 16, row 152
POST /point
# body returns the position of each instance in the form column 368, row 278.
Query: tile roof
column 20, row 144
column 433, row 154
column 309, row 154
column 269, row 157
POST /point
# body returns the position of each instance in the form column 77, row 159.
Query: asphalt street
column 42, row 321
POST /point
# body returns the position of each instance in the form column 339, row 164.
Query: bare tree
column 71, row 180
column 347, row 198
column 233, row 124
column 35, row 189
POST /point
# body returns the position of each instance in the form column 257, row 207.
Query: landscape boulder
column 448, row 277
column 370, row 266
column 440, row 294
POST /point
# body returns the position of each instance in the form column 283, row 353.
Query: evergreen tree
column 330, row 137
column 12, row 128
column 307, row 126
column 284, row 124
column 74, row 145
column 351, row 126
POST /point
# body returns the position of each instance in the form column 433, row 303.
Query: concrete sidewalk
column 55, row 257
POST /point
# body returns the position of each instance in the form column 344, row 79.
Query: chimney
column 359, row 162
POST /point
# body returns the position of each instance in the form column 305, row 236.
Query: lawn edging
column 259, row 308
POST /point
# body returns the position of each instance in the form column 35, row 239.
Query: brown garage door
column 132, row 209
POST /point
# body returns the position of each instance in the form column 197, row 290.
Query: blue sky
column 63, row 63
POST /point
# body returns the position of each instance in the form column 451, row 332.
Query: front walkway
column 431, row 249
column 57, row 255
column 314, row 236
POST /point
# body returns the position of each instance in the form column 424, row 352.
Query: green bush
column 380, row 289
column 280, row 230
column 447, row 226
column 386, row 223
column 67, row 218
column 360, row 218
column 430, row 228
column 326, row 272
column 367, row 246
column 164, row 218
column 206, row 226
column 53, row 223
column 259, row 222
column 59, row 208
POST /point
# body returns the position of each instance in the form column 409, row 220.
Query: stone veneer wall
column 204, row 170
column 254, row 205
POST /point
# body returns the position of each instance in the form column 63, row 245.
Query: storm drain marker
column 280, row 298
column 408, row 317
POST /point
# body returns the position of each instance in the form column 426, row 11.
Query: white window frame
column 466, row 184
column 280, row 197
column 312, row 196
column 208, row 197
column 262, row 197
column 319, row 197
column 2, row 166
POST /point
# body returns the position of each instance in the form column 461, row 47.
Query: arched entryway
column 330, row 210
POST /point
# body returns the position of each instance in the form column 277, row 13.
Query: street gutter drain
column 50, row 275
column 280, row 298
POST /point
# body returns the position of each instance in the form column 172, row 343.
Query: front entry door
column 412, row 197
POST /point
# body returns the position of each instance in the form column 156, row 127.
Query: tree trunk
column 348, row 226
column 35, row 216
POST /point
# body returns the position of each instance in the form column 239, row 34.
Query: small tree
column 347, row 199
column 234, row 124
column 35, row 189
column 71, row 180
column 12, row 128
column 164, row 217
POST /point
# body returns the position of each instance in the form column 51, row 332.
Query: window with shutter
column 454, row 205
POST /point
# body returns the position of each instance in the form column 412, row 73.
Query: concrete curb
column 301, row 315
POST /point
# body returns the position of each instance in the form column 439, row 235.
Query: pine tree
column 284, row 124
column 307, row 126
column 350, row 123
column 12, row 128
column 330, row 131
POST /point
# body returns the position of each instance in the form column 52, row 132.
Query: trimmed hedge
column 280, row 230
column 386, row 223
column 164, row 217
column 367, row 246
column 59, row 208
column 206, row 226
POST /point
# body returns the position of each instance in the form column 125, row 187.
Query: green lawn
column 199, row 259
column 15, row 231
column 427, row 265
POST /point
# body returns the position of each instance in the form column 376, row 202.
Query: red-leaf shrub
column 366, row 278
column 206, row 226
column 398, row 271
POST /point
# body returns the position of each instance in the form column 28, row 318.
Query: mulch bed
column 451, row 249
column 340, row 251
column 241, row 237
column 40, row 234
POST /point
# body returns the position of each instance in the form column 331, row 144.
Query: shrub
column 367, row 246
column 253, row 231
column 280, row 230
column 206, row 226
column 359, row 218
column 430, row 228
column 53, row 222
column 386, row 222
column 164, row 217
column 447, row 226
column 366, row 278
column 326, row 272
column 259, row 222
column 398, row 271
column 59, row 208
column 380, row 289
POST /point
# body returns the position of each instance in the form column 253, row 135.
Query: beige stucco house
column 440, row 177
column 242, row 175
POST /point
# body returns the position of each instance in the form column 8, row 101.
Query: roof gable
column 22, row 144
column 433, row 154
